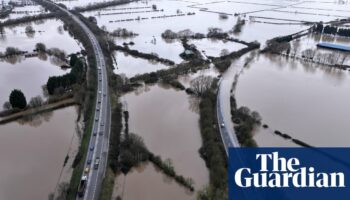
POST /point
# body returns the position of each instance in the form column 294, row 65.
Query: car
column 88, row 162
column 97, row 109
column 94, row 134
column 96, row 119
column 100, row 92
column 102, row 124
column 104, row 95
column 101, row 133
column 86, row 170
column 91, row 148
column 99, row 68
column 222, row 125
column 97, row 163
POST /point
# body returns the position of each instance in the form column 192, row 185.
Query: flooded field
column 216, row 48
column 304, row 100
column 136, row 185
column 307, row 101
column 29, row 10
column 166, row 120
column 131, row 66
column 28, row 75
column 33, row 153
column 49, row 32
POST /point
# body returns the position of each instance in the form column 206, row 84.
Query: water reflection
column 301, row 99
column 165, row 119
column 33, row 167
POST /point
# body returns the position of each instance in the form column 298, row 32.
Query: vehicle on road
column 86, row 170
column 101, row 133
column 97, row 163
column 94, row 134
column 82, row 186
column 222, row 125
column 88, row 162
column 91, row 148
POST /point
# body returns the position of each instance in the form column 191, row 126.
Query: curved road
column 223, row 105
column 99, row 141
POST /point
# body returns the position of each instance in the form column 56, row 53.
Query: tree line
column 57, row 84
column 332, row 30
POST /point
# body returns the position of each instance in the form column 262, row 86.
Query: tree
column 40, row 47
column 7, row 106
column 73, row 60
column 35, row 102
column 17, row 99
column 201, row 84
column 29, row 29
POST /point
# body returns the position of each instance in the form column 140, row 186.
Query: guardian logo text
column 289, row 173
column 280, row 172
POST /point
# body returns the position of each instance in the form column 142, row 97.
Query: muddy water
column 131, row 66
column 136, row 185
column 28, row 75
column 166, row 121
column 50, row 32
column 216, row 48
column 32, row 154
column 307, row 102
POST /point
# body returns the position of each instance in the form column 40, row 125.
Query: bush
column 35, row 102
column 40, row 47
column 17, row 99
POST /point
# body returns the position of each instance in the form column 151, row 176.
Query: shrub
column 17, row 99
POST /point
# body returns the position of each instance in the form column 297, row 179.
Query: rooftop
column 334, row 46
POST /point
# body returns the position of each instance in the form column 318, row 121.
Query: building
column 334, row 46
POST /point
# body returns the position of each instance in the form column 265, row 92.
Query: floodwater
column 49, row 32
column 306, row 101
column 131, row 66
column 28, row 75
column 216, row 48
column 147, row 183
column 32, row 154
column 167, row 121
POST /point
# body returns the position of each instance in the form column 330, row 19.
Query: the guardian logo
column 280, row 172
column 289, row 173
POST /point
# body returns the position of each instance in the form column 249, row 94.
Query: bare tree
column 36, row 102
column 7, row 106
column 201, row 84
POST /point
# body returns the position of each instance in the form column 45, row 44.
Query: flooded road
column 166, row 120
column 32, row 154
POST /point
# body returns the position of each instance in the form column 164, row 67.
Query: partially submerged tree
column 17, row 99
column 35, row 102
column 40, row 47
column 201, row 84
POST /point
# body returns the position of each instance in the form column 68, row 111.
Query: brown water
column 28, row 75
column 50, row 32
column 165, row 120
column 131, row 66
column 308, row 102
column 147, row 183
column 32, row 154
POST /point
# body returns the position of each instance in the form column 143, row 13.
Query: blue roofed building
column 334, row 46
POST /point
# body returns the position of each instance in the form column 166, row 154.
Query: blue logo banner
column 289, row 173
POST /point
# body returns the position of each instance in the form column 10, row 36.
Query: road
column 223, row 106
column 99, row 142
